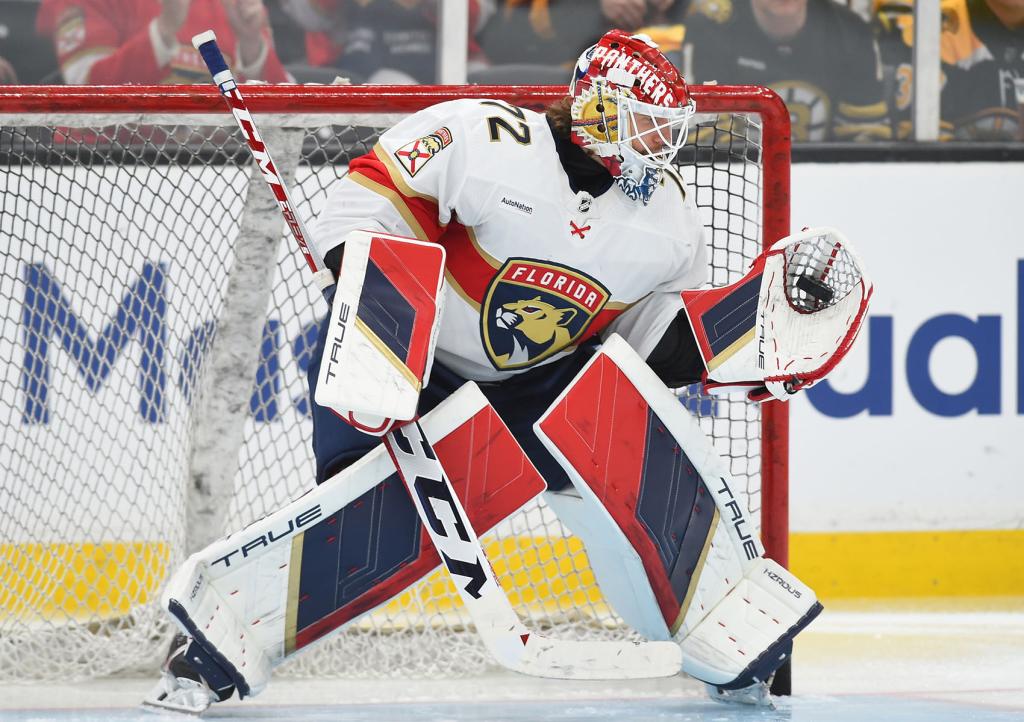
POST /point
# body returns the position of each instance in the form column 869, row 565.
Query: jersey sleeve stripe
column 396, row 200
column 420, row 212
column 395, row 174
column 468, row 268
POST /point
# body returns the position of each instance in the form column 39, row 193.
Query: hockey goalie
column 525, row 284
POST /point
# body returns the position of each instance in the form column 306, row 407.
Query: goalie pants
column 519, row 400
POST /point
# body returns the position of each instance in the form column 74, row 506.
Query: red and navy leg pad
column 256, row 597
column 665, row 506
column 376, row 547
column 606, row 431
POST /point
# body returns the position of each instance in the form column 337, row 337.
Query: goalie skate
column 757, row 695
column 180, row 688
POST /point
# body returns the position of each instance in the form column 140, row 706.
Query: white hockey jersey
column 533, row 269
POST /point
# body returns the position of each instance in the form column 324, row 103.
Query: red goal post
column 66, row 152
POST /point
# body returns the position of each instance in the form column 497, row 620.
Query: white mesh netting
column 118, row 239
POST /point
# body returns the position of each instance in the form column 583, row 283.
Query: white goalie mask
column 631, row 108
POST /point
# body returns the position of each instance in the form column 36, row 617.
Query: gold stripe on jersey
column 458, row 289
column 396, row 176
column 491, row 260
column 396, row 200
column 670, row 173
column 99, row 52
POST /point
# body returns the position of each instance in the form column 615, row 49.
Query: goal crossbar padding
column 344, row 548
column 382, row 326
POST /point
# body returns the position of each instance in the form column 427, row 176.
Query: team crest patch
column 413, row 156
column 534, row 309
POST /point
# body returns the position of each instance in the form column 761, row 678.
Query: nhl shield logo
column 534, row 309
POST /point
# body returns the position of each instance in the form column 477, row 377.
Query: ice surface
column 903, row 666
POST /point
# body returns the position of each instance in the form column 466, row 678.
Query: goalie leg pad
column 615, row 563
column 749, row 634
column 643, row 497
column 256, row 597
column 641, row 462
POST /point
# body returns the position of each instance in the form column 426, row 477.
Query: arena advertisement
column 911, row 451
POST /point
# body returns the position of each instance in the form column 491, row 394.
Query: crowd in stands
column 844, row 67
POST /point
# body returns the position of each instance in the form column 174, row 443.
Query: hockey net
column 141, row 269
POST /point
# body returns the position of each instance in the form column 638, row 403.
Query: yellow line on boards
column 850, row 565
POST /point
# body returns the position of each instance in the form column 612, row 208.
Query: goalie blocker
column 382, row 329
column 665, row 530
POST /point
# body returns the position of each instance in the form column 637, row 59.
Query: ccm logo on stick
column 265, row 540
column 440, row 510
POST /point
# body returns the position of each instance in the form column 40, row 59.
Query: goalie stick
column 503, row 633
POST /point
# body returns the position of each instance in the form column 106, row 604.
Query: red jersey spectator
column 149, row 41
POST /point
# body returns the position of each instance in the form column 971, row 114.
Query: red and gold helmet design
column 631, row 107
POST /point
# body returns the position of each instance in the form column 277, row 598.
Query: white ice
column 904, row 664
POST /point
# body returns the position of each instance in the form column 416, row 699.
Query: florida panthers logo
column 534, row 309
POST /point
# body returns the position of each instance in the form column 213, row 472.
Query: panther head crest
column 535, row 322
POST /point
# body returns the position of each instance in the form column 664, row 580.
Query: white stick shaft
column 206, row 43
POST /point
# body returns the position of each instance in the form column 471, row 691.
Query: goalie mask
column 631, row 107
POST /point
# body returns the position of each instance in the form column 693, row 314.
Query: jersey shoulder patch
column 415, row 154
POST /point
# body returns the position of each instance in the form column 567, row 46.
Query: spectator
column 382, row 41
column 149, row 41
column 982, row 52
column 633, row 14
column 541, row 39
column 26, row 57
column 819, row 56
column 538, row 41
